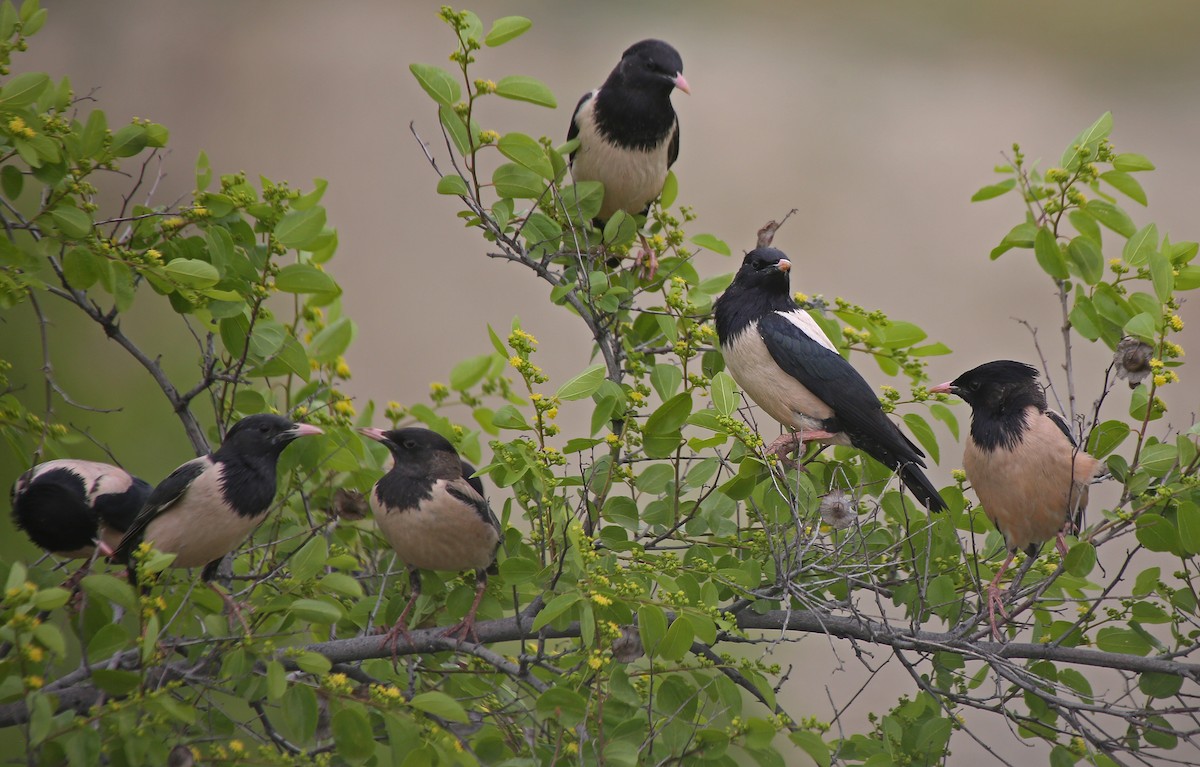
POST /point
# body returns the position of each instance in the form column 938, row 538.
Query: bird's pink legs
column 994, row 599
column 792, row 442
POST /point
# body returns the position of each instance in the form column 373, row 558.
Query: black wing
column 1062, row 425
column 465, row 492
column 573, row 130
column 673, row 149
column 164, row 496
column 856, row 409
column 475, row 482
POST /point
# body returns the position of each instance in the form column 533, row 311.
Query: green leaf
column 1107, row 437
column 678, row 640
column 556, row 607
column 469, row 372
column 666, row 380
column 1131, row 163
column 1157, row 534
column 671, row 415
column 114, row 682
column 1125, row 184
column 23, row 89
column 192, row 273
column 583, row 385
column 304, row 278
column 812, row 744
column 924, row 434
column 452, row 184
column 670, row 190
column 1086, row 259
column 464, row 140
column 128, row 140
column 620, row 229
column 352, row 733
column 1139, row 247
column 299, row 707
column 12, row 181
column 1124, row 641
column 563, row 704
column 1111, row 216
column 582, row 200
column 994, row 190
column 1020, row 236
column 316, row 611
column 72, row 222
column 1143, row 326
column 107, row 587
column 709, row 242
column 440, row 705
column 652, row 627
column 517, row 570
column 1049, row 255
column 298, row 228
column 527, row 153
column 508, row 417
column 50, row 599
column 332, row 341
column 81, row 267
column 1081, row 559
column 517, row 182
column 521, row 88
column 1162, row 276
column 724, row 393
column 309, row 559
column 1187, row 518
column 437, row 82
column 505, row 29
column 1090, row 139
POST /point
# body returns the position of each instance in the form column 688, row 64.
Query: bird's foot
column 392, row 637
column 646, row 263
column 1060, row 543
column 780, row 448
column 235, row 608
column 995, row 602
column 464, row 628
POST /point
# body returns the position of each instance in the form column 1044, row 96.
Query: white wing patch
column 809, row 327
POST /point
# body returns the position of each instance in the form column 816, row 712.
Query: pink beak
column 306, row 429
column 942, row 388
column 682, row 84
column 375, row 434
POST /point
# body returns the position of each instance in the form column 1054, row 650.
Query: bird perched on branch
column 785, row 363
column 433, row 516
column 628, row 132
column 65, row 506
column 208, row 506
column 1027, row 470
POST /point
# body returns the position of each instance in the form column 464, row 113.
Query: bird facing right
column 1029, row 474
column 434, row 515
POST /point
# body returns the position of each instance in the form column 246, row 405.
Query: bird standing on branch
column 629, row 133
column 1027, row 470
column 433, row 516
column 208, row 506
column 785, row 363
column 65, row 506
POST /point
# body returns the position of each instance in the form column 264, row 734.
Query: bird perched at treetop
column 1027, row 470
column 65, row 506
column 433, row 516
column 785, row 363
column 628, row 131
column 208, row 506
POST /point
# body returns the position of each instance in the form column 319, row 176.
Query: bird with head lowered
column 208, row 506
column 433, row 514
column 628, row 131
column 787, row 365
column 66, row 506
column 1022, row 461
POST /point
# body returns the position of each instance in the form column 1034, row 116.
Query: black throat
column 409, row 483
column 247, row 482
column 1001, row 423
column 634, row 118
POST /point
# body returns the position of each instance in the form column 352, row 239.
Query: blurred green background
column 877, row 120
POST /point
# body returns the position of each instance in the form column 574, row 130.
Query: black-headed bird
column 1025, row 466
column 68, row 506
column 433, row 516
column 787, row 365
column 210, row 504
column 628, row 131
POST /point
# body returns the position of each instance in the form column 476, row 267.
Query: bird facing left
column 208, row 506
column 65, row 506
column 433, row 516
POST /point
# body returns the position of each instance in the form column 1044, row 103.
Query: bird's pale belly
column 783, row 398
column 439, row 536
column 200, row 531
column 632, row 178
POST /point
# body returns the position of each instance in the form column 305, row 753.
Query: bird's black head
column 263, row 435
column 651, row 65
column 765, row 269
column 419, row 452
column 997, row 388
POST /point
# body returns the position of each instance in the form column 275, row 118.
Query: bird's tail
column 919, row 485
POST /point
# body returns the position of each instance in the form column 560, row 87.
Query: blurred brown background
column 877, row 120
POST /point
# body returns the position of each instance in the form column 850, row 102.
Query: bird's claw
column 646, row 264
column 392, row 637
column 465, row 627
column 995, row 601
column 784, row 445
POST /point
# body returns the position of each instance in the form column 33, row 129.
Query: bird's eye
column 264, row 428
column 409, row 445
